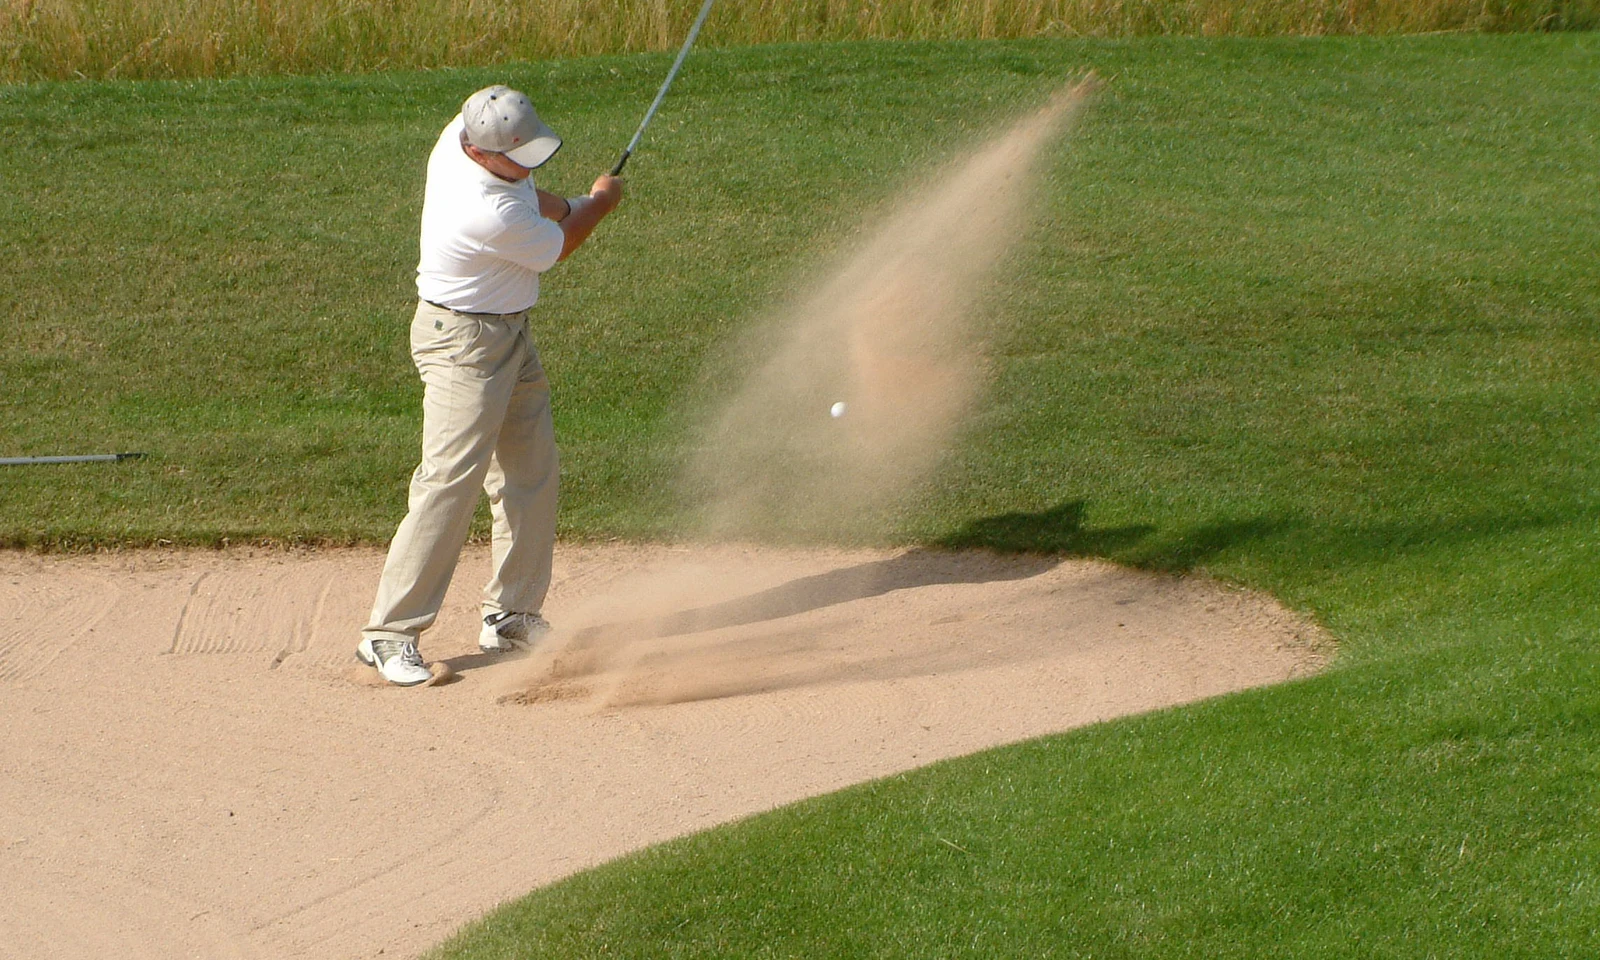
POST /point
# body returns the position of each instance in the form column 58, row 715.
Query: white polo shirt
column 484, row 243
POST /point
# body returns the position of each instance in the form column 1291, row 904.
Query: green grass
column 1317, row 316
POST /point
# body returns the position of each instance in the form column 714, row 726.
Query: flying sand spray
column 888, row 343
column 893, row 330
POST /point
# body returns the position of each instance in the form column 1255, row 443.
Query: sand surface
column 194, row 766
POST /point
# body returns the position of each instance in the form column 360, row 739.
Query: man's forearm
column 587, row 211
column 552, row 207
column 585, row 215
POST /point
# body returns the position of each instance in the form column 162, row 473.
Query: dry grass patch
column 65, row 39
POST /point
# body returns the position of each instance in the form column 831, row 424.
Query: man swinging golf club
column 487, row 234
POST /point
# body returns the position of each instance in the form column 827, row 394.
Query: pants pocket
column 481, row 346
column 473, row 346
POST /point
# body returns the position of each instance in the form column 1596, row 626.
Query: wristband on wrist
column 574, row 204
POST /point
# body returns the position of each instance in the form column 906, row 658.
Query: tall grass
column 64, row 39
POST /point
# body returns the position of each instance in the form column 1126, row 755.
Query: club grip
column 616, row 171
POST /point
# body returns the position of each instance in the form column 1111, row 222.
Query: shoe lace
column 404, row 649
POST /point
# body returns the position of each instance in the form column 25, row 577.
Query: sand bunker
column 194, row 766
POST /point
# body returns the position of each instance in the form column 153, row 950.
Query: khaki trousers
column 485, row 426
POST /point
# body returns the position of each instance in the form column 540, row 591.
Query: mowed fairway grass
column 1321, row 317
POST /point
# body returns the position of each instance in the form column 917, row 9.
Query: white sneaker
column 511, row 632
column 396, row 660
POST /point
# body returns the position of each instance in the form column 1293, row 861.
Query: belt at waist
column 470, row 313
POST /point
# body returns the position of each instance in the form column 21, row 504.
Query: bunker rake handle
column 86, row 458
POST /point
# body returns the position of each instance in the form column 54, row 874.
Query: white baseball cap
column 501, row 120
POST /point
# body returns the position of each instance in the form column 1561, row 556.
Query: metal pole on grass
column 86, row 458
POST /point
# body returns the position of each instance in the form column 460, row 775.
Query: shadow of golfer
column 915, row 568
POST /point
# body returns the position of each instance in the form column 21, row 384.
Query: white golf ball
column 837, row 410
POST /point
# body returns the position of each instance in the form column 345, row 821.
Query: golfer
column 487, row 235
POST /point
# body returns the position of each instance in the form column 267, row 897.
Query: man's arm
column 587, row 212
column 552, row 207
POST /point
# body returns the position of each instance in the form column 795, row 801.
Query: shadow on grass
column 1061, row 530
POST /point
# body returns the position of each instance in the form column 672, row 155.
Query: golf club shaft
column 86, row 458
column 694, row 31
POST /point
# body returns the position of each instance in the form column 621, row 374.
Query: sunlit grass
column 64, row 39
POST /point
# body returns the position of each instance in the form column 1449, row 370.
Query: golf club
column 85, row 458
column 694, row 31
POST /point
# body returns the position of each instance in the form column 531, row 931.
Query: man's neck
column 478, row 156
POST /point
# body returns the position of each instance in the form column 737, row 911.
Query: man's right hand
column 607, row 191
column 602, row 199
